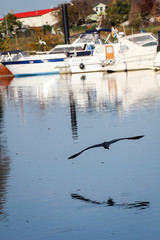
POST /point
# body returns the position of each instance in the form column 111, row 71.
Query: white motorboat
column 88, row 54
column 132, row 52
column 95, row 61
column 136, row 52
column 35, row 65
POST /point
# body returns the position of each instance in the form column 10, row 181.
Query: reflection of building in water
column 4, row 166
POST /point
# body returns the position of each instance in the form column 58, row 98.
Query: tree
column 117, row 12
column 78, row 10
column 4, row 44
column 10, row 24
column 145, row 8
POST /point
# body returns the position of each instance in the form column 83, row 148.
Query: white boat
column 52, row 61
column 95, row 61
column 88, row 54
column 35, row 65
column 132, row 52
column 136, row 52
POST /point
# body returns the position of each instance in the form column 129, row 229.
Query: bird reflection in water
column 137, row 204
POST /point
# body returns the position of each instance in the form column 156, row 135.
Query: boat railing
column 35, row 53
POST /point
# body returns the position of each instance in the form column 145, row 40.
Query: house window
column 97, row 9
column 101, row 9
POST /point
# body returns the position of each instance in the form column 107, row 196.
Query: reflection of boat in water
column 39, row 88
column 34, row 81
column 116, row 91
column 5, row 81
column 136, row 88
column 93, row 90
column 5, row 77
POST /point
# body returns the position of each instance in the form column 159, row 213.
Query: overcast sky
column 27, row 5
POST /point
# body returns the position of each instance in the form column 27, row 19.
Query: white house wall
column 100, row 8
column 31, row 21
column 39, row 21
column 49, row 19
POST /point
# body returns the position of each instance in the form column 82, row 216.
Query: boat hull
column 34, row 67
column 83, row 65
column 133, row 61
column 4, row 71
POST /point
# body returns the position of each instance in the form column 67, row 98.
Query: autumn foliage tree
column 143, row 10
column 4, row 44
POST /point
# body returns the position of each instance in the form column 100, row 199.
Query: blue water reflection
column 43, row 195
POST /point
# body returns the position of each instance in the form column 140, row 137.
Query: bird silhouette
column 106, row 144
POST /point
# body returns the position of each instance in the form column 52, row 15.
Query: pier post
column 158, row 47
column 65, row 23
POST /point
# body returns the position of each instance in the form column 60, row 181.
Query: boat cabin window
column 66, row 49
column 89, row 38
column 149, row 44
column 140, row 40
column 11, row 55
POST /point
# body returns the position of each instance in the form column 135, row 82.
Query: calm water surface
column 44, row 120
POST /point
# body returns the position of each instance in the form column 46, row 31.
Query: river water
column 46, row 119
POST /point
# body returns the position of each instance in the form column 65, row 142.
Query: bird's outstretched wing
column 94, row 146
column 106, row 144
column 128, row 138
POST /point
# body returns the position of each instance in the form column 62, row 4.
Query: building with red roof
column 37, row 18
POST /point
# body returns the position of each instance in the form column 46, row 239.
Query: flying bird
column 106, row 144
